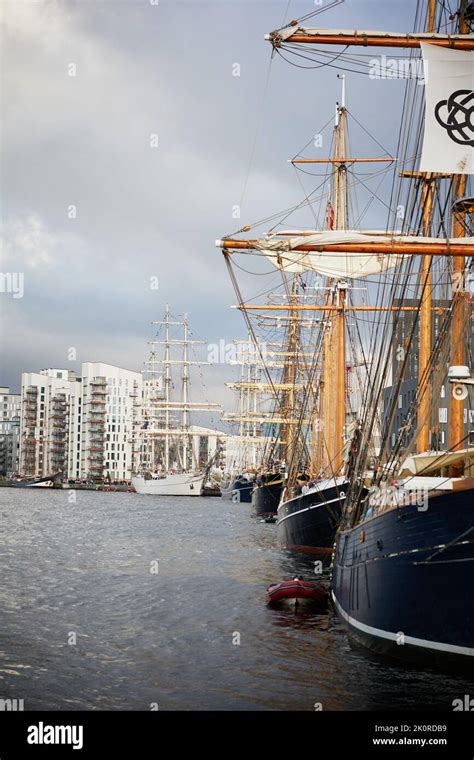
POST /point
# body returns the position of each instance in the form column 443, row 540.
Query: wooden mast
column 333, row 401
column 424, row 354
column 288, row 438
column 458, row 354
column 339, row 331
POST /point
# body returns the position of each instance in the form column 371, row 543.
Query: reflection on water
column 87, row 623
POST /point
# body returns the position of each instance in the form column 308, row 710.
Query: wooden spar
column 335, row 189
column 333, row 379
column 444, row 248
column 424, row 354
column 263, row 386
column 431, row 24
column 456, row 427
column 339, row 160
column 326, row 433
column 330, row 307
column 289, row 376
column 340, row 405
column 339, row 333
column 320, row 439
column 424, row 357
column 423, row 175
column 341, row 166
column 458, row 329
column 328, row 37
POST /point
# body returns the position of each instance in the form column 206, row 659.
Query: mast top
column 343, row 94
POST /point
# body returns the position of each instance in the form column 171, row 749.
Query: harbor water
column 115, row 601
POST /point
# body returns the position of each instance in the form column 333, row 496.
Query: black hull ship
column 308, row 523
column 402, row 580
column 239, row 490
column 266, row 494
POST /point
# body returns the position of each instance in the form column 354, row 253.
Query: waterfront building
column 78, row 426
column 10, row 405
column 109, row 398
column 46, row 433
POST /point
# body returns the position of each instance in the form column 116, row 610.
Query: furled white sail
column 448, row 144
column 282, row 254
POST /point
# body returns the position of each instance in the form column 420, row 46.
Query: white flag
column 448, row 144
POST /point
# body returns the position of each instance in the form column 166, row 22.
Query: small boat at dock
column 297, row 589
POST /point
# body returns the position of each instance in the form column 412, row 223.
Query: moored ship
column 166, row 460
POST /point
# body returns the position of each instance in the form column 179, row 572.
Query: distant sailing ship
column 250, row 441
column 167, row 464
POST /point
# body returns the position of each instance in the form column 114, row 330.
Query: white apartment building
column 81, row 427
column 10, row 406
column 47, row 429
column 109, row 398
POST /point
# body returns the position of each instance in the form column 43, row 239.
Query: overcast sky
column 143, row 211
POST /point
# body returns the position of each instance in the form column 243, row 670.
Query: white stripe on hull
column 308, row 509
column 381, row 634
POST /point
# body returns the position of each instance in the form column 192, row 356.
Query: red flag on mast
column 329, row 216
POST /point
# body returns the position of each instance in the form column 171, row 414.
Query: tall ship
column 324, row 346
column 309, row 512
column 249, row 419
column 166, row 459
column 402, row 565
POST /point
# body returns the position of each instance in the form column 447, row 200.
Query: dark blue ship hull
column 309, row 522
column 266, row 496
column 403, row 580
column 242, row 491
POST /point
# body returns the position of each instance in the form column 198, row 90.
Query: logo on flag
column 448, row 142
column 456, row 115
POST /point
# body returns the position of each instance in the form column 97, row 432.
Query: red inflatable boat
column 297, row 589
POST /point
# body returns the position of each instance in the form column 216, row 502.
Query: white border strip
column 452, row 648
